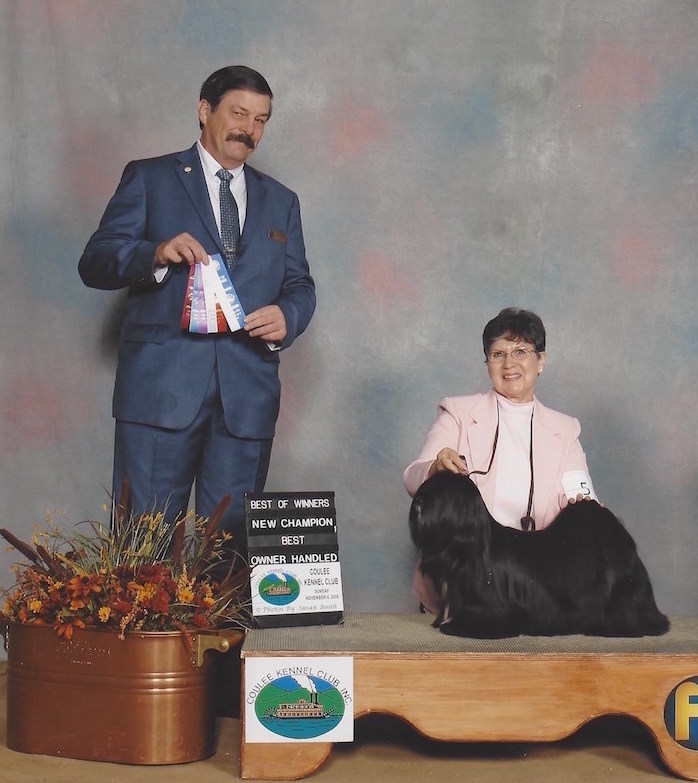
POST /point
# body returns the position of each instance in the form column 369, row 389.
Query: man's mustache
column 245, row 138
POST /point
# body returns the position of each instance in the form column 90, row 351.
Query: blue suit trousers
column 162, row 465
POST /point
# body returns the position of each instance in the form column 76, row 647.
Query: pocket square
column 276, row 235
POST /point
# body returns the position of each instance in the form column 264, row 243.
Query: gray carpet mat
column 412, row 633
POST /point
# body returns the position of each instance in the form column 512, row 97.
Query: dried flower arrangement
column 139, row 574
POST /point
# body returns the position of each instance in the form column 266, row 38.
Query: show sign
column 303, row 699
column 294, row 556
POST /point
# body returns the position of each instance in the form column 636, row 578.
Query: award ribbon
column 211, row 303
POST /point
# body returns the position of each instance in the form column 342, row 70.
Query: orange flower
column 160, row 602
column 199, row 620
column 66, row 626
column 152, row 572
column 123, row 607
column 81, row 587
column 185, row 594
column 145, row 592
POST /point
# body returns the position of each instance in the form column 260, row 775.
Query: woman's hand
column 579, row 499
column 448, row 459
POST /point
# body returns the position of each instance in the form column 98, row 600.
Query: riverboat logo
column 306, row 699
column 279, row 588
column 299, row 706
column 681, row 713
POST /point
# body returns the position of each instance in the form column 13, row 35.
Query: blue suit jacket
column 163, row 371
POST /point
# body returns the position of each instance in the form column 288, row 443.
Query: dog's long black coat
column 581, row 574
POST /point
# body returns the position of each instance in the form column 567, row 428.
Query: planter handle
column 218, row 642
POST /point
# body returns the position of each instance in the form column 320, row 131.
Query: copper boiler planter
column 144, row 699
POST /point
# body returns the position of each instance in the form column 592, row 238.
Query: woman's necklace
column 527, row 521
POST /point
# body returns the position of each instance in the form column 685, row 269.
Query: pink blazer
column 468, row 424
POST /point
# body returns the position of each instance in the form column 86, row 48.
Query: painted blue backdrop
column 452, row 157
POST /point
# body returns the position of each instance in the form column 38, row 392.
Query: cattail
column 178, row 541
column 53, row 563
column 215, row 518
column 20, row 546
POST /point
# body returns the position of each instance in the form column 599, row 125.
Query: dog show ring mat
column 523, row 689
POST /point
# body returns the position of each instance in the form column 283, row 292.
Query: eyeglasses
column 518, row 355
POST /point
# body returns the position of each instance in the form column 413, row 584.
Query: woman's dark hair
column 233, row 77
column 515, row 324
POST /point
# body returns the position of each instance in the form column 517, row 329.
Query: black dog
column 581, row 574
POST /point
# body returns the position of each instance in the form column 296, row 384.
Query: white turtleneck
column 513, row 462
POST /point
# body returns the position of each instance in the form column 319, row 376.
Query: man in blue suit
column 200, row 409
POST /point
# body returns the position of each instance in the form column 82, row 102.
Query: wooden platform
column 525, row 689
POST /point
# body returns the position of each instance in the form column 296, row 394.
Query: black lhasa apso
column 581, row 574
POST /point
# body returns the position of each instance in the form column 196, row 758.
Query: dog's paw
column 475, row 630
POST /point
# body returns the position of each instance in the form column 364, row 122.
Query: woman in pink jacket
column 525, row 459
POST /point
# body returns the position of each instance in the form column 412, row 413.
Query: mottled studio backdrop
column 452, row 157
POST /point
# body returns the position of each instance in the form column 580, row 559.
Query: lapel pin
column 187, row 169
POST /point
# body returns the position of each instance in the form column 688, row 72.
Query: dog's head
column 448, row 513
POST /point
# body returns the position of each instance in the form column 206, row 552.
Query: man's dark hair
column 233, row 77
column 515, row 324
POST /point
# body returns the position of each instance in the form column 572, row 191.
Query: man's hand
column 267, row 323
column 182, row 249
